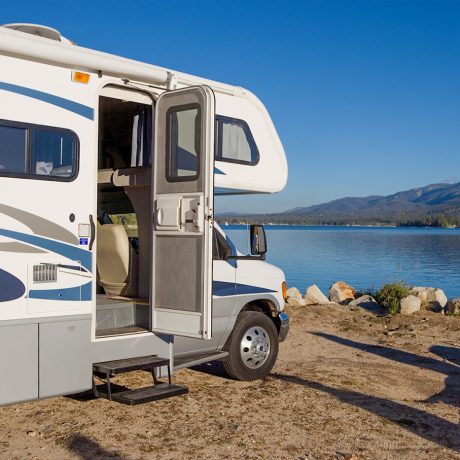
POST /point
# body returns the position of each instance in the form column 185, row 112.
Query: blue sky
column 365, row 94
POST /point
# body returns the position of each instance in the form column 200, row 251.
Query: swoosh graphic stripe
column 63, row 249
column 225, row 289
column 39, row 225
column 79, row 293
column 67, row 104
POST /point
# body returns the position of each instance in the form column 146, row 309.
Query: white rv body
column 50, row 318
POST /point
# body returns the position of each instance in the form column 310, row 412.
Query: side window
column 13, row 150
column 220, row 247
column 215, row 247
column 35, row 152
column 52, row 153
column 235, row 142
column 183, row 137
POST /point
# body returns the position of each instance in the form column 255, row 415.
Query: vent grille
column 45, row 273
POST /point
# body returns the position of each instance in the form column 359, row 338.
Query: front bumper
column 284, row 325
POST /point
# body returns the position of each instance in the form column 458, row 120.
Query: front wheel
column 252, row 347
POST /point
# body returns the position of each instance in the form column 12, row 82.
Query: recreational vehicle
column 110, row 259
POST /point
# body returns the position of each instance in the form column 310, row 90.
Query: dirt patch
column 347, row 385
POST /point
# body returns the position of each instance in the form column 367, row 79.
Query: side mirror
column 258, row 241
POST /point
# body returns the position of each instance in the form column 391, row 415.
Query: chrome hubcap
column 255, row 347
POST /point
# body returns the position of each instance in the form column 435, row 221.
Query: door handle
column 92, row 236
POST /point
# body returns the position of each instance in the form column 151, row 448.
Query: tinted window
column 235, row 142
column 34, row 151
column 184, row 143
column 220, row 247
column 13, row 142
column 52, row 153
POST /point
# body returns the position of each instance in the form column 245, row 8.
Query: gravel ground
column 347, row 385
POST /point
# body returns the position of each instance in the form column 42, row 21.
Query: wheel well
column 266, row 307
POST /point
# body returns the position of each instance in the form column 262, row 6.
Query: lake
column 365, row 257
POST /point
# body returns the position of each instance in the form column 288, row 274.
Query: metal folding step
column 148, row 394
column 106, row 370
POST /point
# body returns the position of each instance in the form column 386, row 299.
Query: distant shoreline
column 271, row 224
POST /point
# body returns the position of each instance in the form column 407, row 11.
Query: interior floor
column 120, row 315
column 120, row 331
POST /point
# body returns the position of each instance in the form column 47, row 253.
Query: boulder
column 313, row 295
column 341, row 292
column 420, row 292
column 295, row 302
column 367, row 302
column 294, row 298
column 453, row 306
column 410, row 304
column 293, row 292
column 437, row 300
column 432, row 298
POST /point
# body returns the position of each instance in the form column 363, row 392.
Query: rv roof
column 39, row 30
column 36, row 42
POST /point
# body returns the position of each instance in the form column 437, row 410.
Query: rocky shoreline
column 417, row 298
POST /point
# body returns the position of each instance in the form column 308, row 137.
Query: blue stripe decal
column 218, row 171
column 63, row 249
column 247, row 289
column 79, row 293
column 66, row 104
column 232, row 191
column 225, row 289
column 11, row 288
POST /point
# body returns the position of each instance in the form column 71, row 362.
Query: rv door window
column 183, row 137
column 13, row 142
column 235, row 143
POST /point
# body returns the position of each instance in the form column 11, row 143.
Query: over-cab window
column 37, row 152
column 234, row 141
column 183, row 137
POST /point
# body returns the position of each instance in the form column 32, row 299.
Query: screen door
column 183, row 212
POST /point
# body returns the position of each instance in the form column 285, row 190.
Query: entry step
column 160, row 390
column 121, row 366
column 148, row 394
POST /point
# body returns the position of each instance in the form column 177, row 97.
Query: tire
column 252, row 347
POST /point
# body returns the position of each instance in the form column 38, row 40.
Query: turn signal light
column 284, row 290
column 80, row 77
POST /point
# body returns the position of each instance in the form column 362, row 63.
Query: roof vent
column 41, row 31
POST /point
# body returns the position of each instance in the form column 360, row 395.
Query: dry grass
column 347, row 384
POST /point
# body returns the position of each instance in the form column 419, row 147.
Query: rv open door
column 183, row 181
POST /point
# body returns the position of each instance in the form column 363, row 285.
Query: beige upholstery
column 117, row 262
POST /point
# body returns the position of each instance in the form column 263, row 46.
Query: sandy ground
column 347, row 385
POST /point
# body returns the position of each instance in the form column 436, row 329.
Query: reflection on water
column 362, row 256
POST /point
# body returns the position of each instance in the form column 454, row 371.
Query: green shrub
column 389, row 296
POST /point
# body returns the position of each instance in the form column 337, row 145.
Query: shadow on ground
column 419, row 422
column 88, row 449
column 449, row 366
column 214, row 368
column 422, row 424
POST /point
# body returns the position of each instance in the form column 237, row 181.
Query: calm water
column 361, row 256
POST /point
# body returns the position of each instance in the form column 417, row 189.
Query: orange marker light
column 80, row 77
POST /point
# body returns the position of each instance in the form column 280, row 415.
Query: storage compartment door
column 183, row 212
column 19, row 363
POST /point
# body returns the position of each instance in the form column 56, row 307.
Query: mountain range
column 422, row 203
